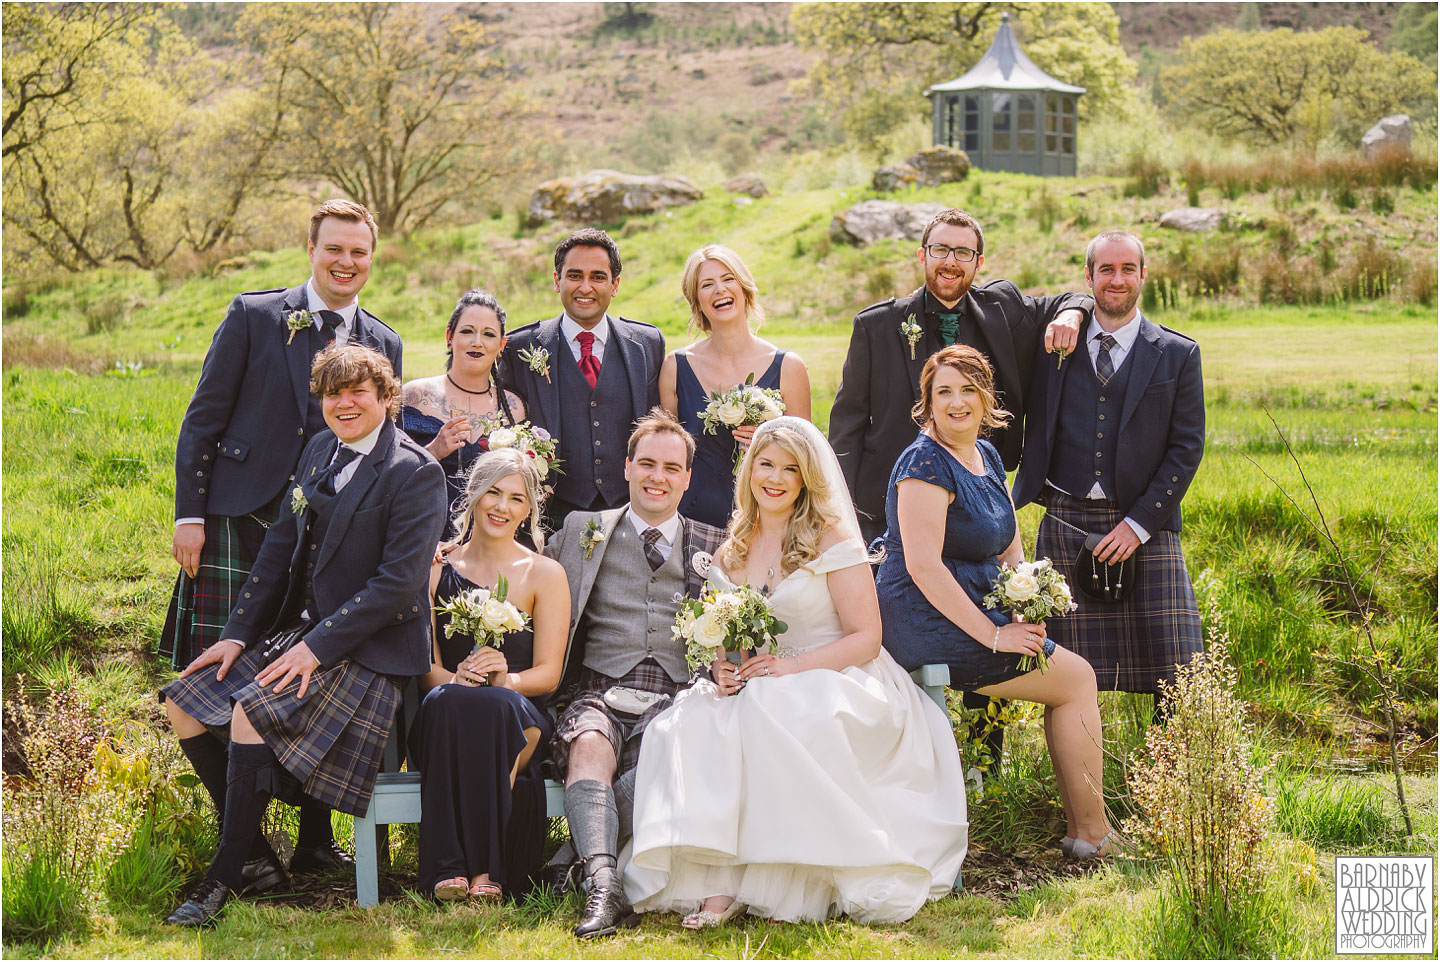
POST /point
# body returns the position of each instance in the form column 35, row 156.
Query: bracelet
column 995, row 645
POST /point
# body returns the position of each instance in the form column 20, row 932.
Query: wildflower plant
column 1201, row 801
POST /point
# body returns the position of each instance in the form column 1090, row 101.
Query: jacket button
column 414, row 607
column 1097, row 474
column 592, row 404
column 1169, row 491
column 201, row 474
column 247, row 594
column 239, row 611
column 597, row 460
column 313, row 548
column 357, row 599
column 595, row 423
column 256, row 580
column 1099, row 455
column 344, row 611
column 597, row 444
column 1100, row 434
column 329, row 624
column 204, row 457
column 300, row 431
column 1102, row 417
column 1157, row 504
column 399, row 617
column 1102, row 399
column 1174, row 479
column 237, row 450
column 202, row 490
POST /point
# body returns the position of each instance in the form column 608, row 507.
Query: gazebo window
column 1025, row 124
column 972, row 123
column 1052, row 124
column 1067, row 126
column 952, row 121
column 1000, row 122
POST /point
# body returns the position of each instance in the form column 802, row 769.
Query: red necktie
column 589, row 363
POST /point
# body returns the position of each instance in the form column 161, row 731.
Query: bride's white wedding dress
column 806, row 796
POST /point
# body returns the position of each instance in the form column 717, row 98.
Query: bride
column 821, row 782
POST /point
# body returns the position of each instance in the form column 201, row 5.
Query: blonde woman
column 484, row 712
column 816, row 782
column 725, row 310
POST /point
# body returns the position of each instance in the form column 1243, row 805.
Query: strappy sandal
column 705, row 919
column 1083, row 851
column 451, row 889
column 485, row 891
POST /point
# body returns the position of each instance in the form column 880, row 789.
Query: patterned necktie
column 326, row 482
column 1104, row 367
column 652, row 548
column 589, row 363
column 949, row 327
column 330, row 322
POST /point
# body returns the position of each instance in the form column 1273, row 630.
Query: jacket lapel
column 547, row 391
column 632, row 361
column 589, row 567
column 367, row 469
column 691, row 545
column 999, row 347
column 927, row 345
column 1146, row 351
column 297, row 352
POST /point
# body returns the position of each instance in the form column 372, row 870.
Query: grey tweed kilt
column 330, row 745
column 1134, row 643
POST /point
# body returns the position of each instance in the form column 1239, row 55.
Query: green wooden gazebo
column 1008, row 114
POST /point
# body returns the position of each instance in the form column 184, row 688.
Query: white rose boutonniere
column 591, row 537
column 298, row 501
column 912, row 331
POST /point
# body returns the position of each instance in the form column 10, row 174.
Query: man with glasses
column 870, row 423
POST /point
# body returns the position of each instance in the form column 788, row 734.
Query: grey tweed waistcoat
column 631, row 610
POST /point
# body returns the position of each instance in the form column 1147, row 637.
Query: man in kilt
column 1114, row 439
column 250, row 417
column 297, row 698
column 628, row 567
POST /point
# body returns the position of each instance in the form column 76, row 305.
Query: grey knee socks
column 594, row 824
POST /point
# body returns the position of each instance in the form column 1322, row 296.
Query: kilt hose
column 1134, row 643
column 588, row 711
column 329, row 746
column 200, row 606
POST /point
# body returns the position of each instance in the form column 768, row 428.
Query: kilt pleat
column 1131, row 644
column 330, row 745
column 200, row 606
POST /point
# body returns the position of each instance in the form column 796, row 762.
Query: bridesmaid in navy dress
column 480, row 735
column 949, row 526
column 725, row 308
column 452, row 413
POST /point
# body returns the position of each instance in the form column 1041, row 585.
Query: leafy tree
column 1283, row 87
column 406, row 116
column 1414, row 32
column 877, row 59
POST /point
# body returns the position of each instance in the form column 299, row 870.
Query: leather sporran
column 1099, row 581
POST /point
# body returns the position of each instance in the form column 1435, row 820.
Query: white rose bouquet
column 1035, row 591
column 739, row 406
column 532, row 440
column 483, row 614
column 735, row 619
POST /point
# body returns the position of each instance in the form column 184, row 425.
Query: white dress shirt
column 365, row 445
column 314, row 305
column 669, row 531
column 570, row 330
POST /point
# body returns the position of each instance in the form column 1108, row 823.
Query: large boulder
column 1389, row 133
column 746, row 184
column 940, row 165
column 1193, row 219
column 607, row 196
column 895, row 177
column 875, row 220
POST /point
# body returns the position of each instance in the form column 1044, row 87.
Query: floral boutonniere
column 912, row 332
column 297, row 321
column 298, row 501
column 537, row 359
column 592, row 536
column 701, row 561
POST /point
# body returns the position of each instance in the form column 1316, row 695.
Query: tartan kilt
column 200, row 606
column 330, row 745
column 588, row 711
column 1131, row 644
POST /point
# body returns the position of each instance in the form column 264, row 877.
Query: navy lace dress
column 465, row 741
column 979, row 524
column 711, row 495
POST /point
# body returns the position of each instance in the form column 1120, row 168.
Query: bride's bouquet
column 483, row 614
column 1035, row 591
column 735, row 619
column 739, row 406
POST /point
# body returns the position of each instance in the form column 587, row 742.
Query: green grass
column 86, row 569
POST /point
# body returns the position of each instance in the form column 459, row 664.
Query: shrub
column 1200, row 801
column 1345, row 198
column 105, row 314
column 1420, row 280
column 1382, row 202
column 1371, row 273
column 879, row 281
column 61, row 821
column 1147, row 176
column 1045, row 209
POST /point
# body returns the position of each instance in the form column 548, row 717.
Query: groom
column 628, row 567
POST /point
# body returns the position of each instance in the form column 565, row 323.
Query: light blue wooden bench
column 396, row 799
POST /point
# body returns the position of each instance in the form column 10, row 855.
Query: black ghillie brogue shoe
column 203, row 906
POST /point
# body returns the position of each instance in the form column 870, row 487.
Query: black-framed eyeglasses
column 941, row 251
